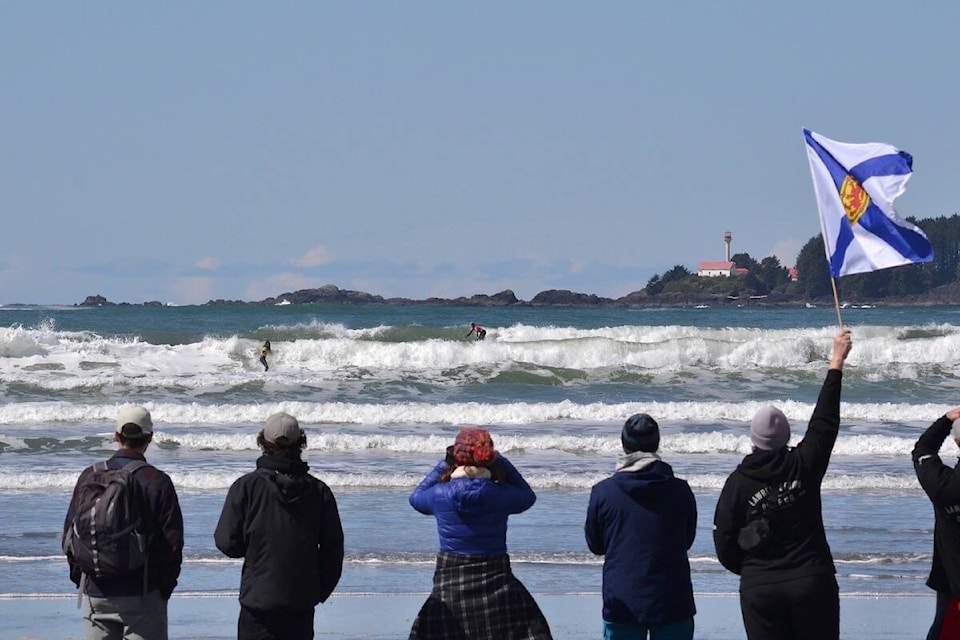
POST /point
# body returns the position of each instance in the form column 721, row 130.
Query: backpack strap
column 135, row 465
column 132, row 467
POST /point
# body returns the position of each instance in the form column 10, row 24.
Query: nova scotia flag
column 856, row 185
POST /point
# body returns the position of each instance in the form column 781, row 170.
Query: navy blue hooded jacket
column 644, row 522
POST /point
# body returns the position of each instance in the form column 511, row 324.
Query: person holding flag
column 768, row 523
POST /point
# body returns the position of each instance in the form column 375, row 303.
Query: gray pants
column 126, row 618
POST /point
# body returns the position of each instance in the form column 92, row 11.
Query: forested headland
column 933, row 282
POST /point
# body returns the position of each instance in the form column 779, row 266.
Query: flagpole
column 836, row 301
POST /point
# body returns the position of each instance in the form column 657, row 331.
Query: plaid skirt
column 478, row 598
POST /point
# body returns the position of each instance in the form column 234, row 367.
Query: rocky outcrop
column 328, row 293
column 96, row 301
column 562, row 297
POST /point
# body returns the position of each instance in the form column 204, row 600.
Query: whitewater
column 381, row 391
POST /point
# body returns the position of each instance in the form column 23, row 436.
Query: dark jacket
column 472, row 512
column 784, row 484
column 942, row 485
column 284, row 523
column 162, row 522
column 644, row 522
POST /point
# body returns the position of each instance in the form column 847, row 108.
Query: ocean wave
column 56, row 360
column 316, row 415
column 204, row 481
column 673, row 441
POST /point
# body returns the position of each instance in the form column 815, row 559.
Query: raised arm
column 824, row 424
column 938, row 480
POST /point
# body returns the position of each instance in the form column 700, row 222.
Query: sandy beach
column 378, row 617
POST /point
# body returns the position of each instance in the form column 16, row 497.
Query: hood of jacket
column 287, row 478
column 767, row 466
column 646, row 482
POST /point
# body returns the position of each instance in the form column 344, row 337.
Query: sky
column 189, row 151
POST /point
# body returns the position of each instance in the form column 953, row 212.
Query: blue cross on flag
column 856, row 185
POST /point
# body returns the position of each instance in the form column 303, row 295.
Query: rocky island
column 330, row 294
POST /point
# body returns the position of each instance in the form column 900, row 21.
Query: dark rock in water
column 220, row 302
column 563, row 297
column 96, row 301
column 327, row 293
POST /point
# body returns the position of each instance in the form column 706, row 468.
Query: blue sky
column 184, row 152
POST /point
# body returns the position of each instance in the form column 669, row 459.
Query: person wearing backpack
column 123, row 538
column 285, row 524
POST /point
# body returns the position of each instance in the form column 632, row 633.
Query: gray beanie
column 769, row 429
column 640, row 433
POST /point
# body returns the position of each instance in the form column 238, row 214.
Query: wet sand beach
column 388, row 617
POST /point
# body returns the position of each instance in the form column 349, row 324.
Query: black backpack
column 104, row 539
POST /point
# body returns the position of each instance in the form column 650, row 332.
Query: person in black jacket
column 285, row 524
column 768, row 526
column 942, row 485
column 643, row 520
column 124, row 605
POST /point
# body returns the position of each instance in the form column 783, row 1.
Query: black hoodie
column 784, row 486
column 285, row 524
column 942, row 485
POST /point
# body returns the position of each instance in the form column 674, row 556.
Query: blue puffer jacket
column 472, row 512
column 644, row 522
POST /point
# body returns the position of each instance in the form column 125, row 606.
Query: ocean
column 381, row 391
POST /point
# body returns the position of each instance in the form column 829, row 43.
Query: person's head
column 134, row 428
column 474, row 447
column 769, row 429
column 282, row 436
column 640, row 433
column 955, row 431
column 473, row 325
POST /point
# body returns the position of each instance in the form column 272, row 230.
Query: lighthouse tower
column 727, row 237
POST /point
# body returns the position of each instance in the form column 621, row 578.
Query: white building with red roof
column 721, row 269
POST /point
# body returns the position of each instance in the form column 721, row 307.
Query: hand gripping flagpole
column 836, row 301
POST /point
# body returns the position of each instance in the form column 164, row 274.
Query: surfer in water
column 264, row 350
column 477, row 329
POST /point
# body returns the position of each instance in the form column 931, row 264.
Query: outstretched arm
column 824, row 425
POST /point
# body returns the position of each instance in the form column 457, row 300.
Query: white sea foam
column 54, row 359
column 563, row 558
column 35, row 481
column 672, row 441
column 317, row 414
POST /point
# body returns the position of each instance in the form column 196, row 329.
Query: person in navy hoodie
column 643, row 521
column 475, row 595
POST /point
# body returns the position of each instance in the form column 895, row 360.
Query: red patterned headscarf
column 473, row 446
